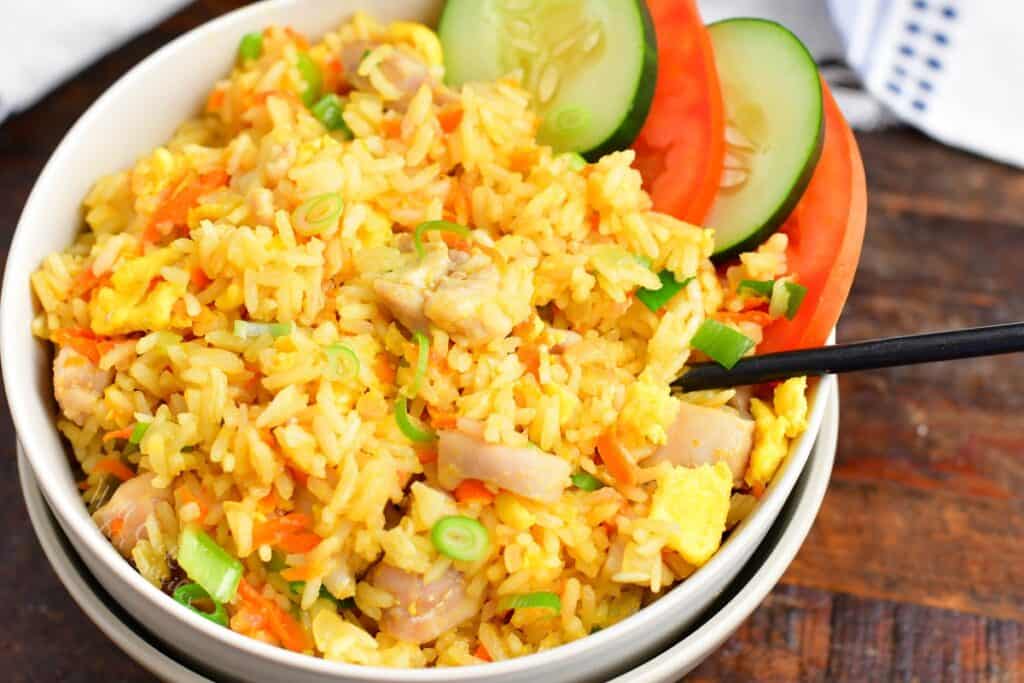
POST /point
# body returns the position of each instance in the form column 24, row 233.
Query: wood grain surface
column 914, row 570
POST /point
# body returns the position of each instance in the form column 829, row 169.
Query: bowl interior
column 140, row 112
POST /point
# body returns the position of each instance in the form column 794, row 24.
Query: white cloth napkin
column 46, row 41
column 953, row 68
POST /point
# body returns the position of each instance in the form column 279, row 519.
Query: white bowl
column 742, row 596
column 137, row 113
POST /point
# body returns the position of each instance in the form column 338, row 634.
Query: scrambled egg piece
column 129, row 304
column 696, row 500
column 646, row 413
column 773, row 429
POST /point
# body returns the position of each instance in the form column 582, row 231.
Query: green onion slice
column 435, row 226
column 298, row 587
column 313, row 77
column 249, row 330
column 422, row 359
column 786, row 299
column 250, row 47
column 756, row 287
column 586, row 481
column 138, row 431
column 335, row 352
column 721, row 343
column 460, row 538
column 329, row 112
column 208, row 564
column 544, row 599
column 655, row 299
column 405, row 425
column 189, row 593
column 320, row 212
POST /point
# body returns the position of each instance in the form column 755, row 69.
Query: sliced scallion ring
column 460, row 538
column 208, row 564
column 138, row 431
column 721, row 343
column 335, row 353
column 656, row 299
column 756, row 287
column 543, row 599
column 329, row 111
column 786, row 299
column 189, row 594
column 435, row 226
column 422, row 359
column 318, row 214
column 250, row 47
column 405, row 425
column 312, row 76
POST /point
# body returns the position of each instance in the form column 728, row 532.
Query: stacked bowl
column 660, row 642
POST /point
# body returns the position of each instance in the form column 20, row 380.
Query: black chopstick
column 868, row 355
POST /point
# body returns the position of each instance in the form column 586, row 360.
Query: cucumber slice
column 773, row 106
column 590, row 64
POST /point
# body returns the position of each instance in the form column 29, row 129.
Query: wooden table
column 914, row 570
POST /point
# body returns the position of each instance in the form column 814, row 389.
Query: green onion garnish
column 297, row 587
column 138, row 431
column 460, row 538
column 756, row 287
column 405, row 425
column 543, row 599
column 249, row 330
column 208, row 564
column 328, row 111
column 721, row 343
column 576, row 161
column 189, row 593
column 319, row 213
column 435, row 226
column 337, row 351
column 251, row 47
column 314, row 79
column 655, row 299
column 586, row 481
column 786, row 299
column 422, row 358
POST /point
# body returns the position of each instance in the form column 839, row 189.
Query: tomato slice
column 681, row 148
column 826, row 231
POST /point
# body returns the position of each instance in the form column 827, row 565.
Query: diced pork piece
column 424, row 611
column 530, row 472
column 78, row 385
column 706, row 435
column 403, row 70
column 123, row 518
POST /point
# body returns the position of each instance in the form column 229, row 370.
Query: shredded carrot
column 595, row 222
column 450, row 118
column 291, row 533
column 115, row 467
column 281, row 624
column 299, row 543
column 118, row 434
column 304, row 572
column 522, row 160
column 172, row 212
column 616, row 458
column 88, row 281
column 455, row 241
column 116, row 526
column 199, row 278
column 384, row 369
column 81, row 339
column 481, row 653
column 216, row 100
column 298, row 475
column 185, row 495
column 300, row 40
column 391, row 128
column 334, row 65
column 428, row 454
column 473, row 490
column 529, row 356
column 443, row 420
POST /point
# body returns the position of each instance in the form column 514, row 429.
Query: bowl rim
column 28, row 411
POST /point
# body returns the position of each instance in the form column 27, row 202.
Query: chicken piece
column 424, row 611
column 706, row 435
column 78, row 385
column 403, row 69
column 530, row 472
column 466, row 295
column 123, row 518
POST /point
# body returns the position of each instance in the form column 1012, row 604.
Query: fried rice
column 247, row 311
